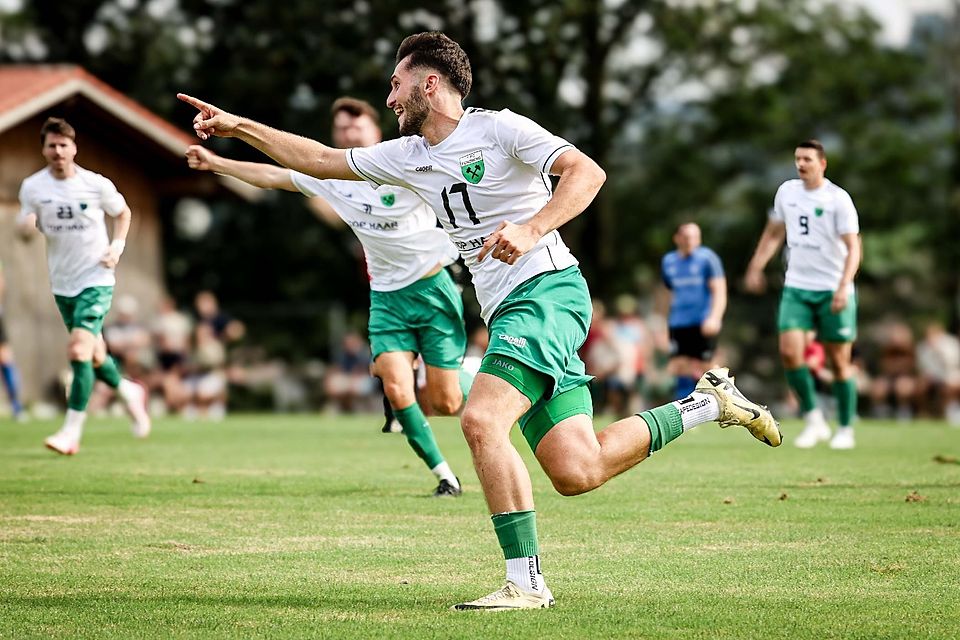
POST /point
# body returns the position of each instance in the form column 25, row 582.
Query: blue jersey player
column 693, row 275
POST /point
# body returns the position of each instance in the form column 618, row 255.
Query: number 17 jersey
column 492, row 168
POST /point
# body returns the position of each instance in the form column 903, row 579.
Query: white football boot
column 816, row 430
column 843, row 439
column 737, row 410
column 62, row 443
column 134, row 396
column 507, row 598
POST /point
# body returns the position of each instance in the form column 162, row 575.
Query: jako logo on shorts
column 517, row 342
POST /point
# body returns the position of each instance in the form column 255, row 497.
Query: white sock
column 73, row 424
column 697, row 408
column 814, row 415
column 844, row 427
column 127, row 388
column 525, row 573
column 443, row 472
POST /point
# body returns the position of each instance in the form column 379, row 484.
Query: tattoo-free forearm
column 295, row 152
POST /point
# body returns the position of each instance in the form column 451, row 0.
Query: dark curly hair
column 435, row 50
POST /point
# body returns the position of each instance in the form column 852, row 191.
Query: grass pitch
column 277, row 527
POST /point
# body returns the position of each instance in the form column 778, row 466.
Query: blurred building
column 139, row 151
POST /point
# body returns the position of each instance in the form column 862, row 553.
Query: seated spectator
column 348, row 381
column 207, row 380
column 172, row 331
column 896, row 372
column 938, row 363
column 600, row 355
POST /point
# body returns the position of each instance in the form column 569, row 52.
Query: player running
column 66, row 203
column 415, row 308
column 485, row 174
column 822, row 231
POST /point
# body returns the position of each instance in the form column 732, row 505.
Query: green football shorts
column 425, row 317
column 537, row 330
column 810, row 310
column 85, row 310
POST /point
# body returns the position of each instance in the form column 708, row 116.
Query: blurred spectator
column 224, row 327
column 348, row 382
column 207, row 381
column 634, row 347
column 896, row 372
column 128, row 340
column 938, row 363
column 172, row 331
column 599, row 354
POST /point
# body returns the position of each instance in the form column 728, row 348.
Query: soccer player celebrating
column 693, row 275
column 66, row 203
column 485, row 174
column 822, row 231
column 414, row 305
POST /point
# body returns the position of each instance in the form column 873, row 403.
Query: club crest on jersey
column 818, row 211
column 83, row 206
column 471, row 166
column 388, row 199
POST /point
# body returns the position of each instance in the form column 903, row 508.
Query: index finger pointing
column 199, row 104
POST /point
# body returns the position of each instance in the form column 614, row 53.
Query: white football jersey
column 815, row 221
column 70, row 215
column 492, row 168
column 399, row 233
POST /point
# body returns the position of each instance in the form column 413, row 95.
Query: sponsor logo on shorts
column 844, row 331
column 517, row 342
column 497, row 362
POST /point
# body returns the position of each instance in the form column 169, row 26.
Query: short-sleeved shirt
column 398, row 231
column 70, row 213
column 815, row 221
column 492, row 168
column 688, row 278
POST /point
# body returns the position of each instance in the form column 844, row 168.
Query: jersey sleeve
column 663, row 272
column 776, row 213
column 714, row 265
column 27, row 202
column 379, row 164
column 111, row 201
column 848, row 221
column 308, row 185
column 528, row 142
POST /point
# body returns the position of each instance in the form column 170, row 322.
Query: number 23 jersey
column 815, row 221
column 70, row 215
column 492, row 168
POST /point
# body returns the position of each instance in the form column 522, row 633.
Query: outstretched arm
column 265, row 176
column 292, row 151
column 770, row 242
column 580, row 180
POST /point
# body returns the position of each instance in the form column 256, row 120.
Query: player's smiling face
column 810, row 166
column 59, row 152
column 407, row 100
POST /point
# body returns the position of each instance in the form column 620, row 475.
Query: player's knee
column 575, row 480
column 446, row 404
column 78, row 351
column 478, row 426
column 398, row 394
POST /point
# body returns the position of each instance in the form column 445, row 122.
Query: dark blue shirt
column 689, row 280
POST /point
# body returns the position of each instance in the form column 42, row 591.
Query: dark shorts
column 691, row 343
column 3, row 332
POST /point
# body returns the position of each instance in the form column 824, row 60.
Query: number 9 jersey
column 815, row 222
column 492, row 168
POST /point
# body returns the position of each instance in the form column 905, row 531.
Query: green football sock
column 665, row 425
column 801, row 381
column 419, row 434
column 108, row 372
column 517, row 533
column 82, row 385
column 845, row 391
